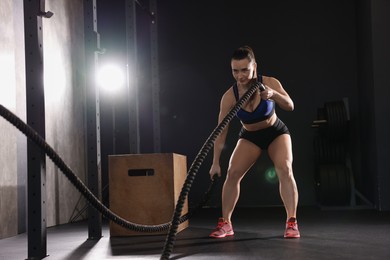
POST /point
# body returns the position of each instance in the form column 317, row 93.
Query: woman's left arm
column 275, row 91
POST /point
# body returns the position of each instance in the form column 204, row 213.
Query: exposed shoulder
column 229, row 92
column 272, row 82
column 275, row 84
column 228, row 98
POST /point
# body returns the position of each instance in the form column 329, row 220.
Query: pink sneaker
column 223, row 229
column 292, row 229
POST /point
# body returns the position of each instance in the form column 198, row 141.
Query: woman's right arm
column 225, row 106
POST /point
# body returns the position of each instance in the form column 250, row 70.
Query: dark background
column 320, row 51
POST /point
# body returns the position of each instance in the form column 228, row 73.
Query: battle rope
column 91, row 198
column 168, row 247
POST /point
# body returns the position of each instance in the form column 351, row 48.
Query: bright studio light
column 110, row 77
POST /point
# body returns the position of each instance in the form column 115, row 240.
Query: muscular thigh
column 243, row 157
column 280, row 150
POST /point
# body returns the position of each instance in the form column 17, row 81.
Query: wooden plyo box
column 144, row 189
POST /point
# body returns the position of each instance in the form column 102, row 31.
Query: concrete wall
column 64, row 99
column 8, row 162
column 63, row 42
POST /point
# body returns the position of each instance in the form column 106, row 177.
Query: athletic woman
column 261, row 131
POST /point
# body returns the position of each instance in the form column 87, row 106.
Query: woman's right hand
column 215, row 169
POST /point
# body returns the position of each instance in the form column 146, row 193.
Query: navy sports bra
column 263, row 111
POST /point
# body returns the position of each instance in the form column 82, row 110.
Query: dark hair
column 244, row 52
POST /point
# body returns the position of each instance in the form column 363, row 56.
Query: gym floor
column 325, row 234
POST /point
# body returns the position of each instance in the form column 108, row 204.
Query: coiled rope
column 83, row 189
column 168, row 247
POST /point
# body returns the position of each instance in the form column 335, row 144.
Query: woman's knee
column 234, row 175
column 284, row 170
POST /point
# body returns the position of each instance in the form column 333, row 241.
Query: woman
column 261, row 130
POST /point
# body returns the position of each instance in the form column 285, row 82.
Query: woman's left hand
column 267, row 93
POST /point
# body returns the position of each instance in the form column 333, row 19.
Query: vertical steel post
column 132, row 75
column 155, row 78
column 35, row 106
column 93, row 149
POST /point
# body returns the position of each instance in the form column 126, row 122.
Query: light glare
column 55, row 79
column 270, row 175
column 110, row 77
column 7, row 76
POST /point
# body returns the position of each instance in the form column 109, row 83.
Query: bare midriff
column 262, row 124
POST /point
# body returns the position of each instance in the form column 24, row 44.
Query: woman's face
column 243, row 71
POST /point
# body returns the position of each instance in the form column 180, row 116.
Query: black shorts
column 264, row 137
